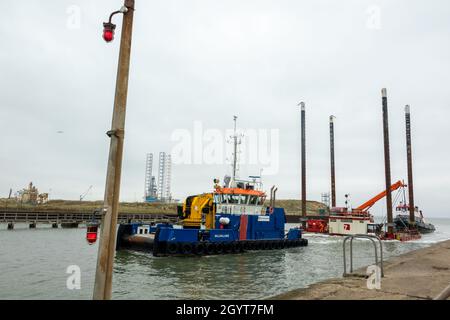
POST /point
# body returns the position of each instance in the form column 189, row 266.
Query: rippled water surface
column 33, row 265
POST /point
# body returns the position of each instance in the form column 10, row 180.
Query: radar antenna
column 236, row 142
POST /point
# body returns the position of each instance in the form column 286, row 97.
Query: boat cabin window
column 260, row 201
column 143, row 230
column 374, row 228
column 243, row 199
column 233, row 198
column 218, row 198
column 253, row 200
column 224, row 198
column 241, row 185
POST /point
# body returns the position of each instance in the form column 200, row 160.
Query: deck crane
column 357, row 221
column 85, row 193
column 369, row 203
column 343, row 221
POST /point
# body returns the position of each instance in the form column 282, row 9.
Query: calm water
column 33, row 265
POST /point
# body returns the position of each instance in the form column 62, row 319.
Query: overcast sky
column 201, row 62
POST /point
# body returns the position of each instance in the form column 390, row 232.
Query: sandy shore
column 419, row 274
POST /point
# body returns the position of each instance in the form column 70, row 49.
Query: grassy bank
column 292, row 207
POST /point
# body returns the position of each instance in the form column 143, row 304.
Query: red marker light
column 91, row 233
column 108, row 31
column 108, row 36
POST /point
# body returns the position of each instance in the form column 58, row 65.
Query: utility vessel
column 344, row 221
column 402, row 222
column 232, row 218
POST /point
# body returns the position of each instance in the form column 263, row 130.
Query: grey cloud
column 207, row 60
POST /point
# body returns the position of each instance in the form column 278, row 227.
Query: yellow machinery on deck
column 195, row 207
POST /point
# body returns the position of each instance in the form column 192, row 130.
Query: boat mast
column 235, row 142
column 333, row 172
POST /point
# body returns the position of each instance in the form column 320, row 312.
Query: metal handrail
column 7, row 217
column 373, row 239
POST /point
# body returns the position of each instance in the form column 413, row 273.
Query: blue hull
column 243, row 232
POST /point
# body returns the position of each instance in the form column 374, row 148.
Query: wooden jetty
column 73, row 219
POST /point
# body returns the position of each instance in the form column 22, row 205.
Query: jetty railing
column 374, row 240
column 80, row 217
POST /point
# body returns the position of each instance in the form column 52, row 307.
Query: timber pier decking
column 75, row 218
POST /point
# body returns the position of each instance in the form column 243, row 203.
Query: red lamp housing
column 108, row 31
column 91, row 233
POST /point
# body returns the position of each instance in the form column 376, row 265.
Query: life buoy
column 199, row 248
column 172, row 248
column 219, row 248
column 209, row 248
column 186, row 248
column 259, row 245
column 227, row 247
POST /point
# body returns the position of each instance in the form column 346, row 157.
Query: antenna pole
column 333, row 174
column 235, row 150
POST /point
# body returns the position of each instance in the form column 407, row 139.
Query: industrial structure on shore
column 158, row 190
column 31, row 195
